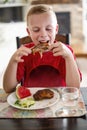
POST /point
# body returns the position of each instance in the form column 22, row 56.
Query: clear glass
column 70, row 97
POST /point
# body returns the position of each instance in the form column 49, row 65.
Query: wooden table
column 44, row 124
column 51, row 123
column 80, row 50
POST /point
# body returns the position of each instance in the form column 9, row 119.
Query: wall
column 76, row 20
column 8, row 34
column 75, row 8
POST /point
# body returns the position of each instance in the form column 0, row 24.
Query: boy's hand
column 60, row 49
column 22, row 51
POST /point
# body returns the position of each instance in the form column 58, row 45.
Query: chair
column 59, row 37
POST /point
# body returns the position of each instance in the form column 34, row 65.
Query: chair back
column 24, row 40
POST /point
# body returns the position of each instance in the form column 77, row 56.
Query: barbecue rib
column 41, row 47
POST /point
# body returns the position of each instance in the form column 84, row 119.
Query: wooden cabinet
column 53, row 1
column 11, row 12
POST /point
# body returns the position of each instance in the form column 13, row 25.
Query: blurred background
column 72, row 18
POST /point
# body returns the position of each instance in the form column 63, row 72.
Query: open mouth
column 44, row 42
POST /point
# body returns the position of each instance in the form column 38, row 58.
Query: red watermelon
column 22, row 92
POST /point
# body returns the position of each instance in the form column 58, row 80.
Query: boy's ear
column 28, row 31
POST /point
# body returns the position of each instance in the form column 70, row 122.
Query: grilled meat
column 43, row 94
column 42, row 47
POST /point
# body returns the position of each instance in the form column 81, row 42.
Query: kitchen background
column 72, row 17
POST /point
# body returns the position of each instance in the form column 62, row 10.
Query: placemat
column 6, row 111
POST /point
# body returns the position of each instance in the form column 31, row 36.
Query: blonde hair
column 38, row 9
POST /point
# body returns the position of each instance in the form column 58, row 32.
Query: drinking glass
column 70, row 97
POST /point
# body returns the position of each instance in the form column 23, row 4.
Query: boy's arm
column 72, row 72
column 9, row 79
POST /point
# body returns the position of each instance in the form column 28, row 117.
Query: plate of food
column 38, row 98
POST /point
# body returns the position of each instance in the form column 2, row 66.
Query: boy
column 56, row 67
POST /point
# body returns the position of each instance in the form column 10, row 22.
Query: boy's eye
column 35, row 29
column 48, row 29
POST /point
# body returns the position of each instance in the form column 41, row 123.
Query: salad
column 25, row 102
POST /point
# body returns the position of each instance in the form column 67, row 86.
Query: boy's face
column 42, row 27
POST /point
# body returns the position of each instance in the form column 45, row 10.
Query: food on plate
column 22, row 92
column 25, row 102
column 41, row 47
column 43, row 94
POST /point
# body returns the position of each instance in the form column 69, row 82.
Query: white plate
column 38, row 104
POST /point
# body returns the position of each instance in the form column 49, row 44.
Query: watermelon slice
column 22, row 92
